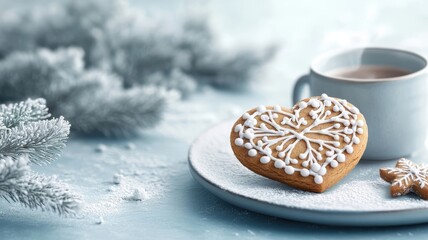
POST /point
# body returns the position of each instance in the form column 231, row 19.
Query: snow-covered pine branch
column 35, row 191
column 23, row 112
column 42, row 140
column 99, row 106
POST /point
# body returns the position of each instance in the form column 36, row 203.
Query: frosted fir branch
column 23, row 112
column 42, row 73
column 68, row 23
column 97, row 104
column 119, row 114
column 41, row 140
column 214, row 65
column 18, row 184
column 230, row 71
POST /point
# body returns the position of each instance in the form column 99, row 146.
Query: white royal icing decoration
column 267, row 135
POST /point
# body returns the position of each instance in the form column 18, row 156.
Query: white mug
column 395, row 108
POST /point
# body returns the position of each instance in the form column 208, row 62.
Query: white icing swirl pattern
column 282, row 135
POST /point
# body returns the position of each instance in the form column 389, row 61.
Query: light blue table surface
column 176, row 207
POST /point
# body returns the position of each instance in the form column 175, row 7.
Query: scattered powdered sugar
column 362, row 190
column 100, row 221
column 117, row 178
column 137, row 180
column 129, row 189
column 101, row 148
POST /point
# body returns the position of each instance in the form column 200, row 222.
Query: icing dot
column 294, row 161
column 360, row 123
column 305, row 163
column 246, row 116
column 304, row 172
column 336, row 137
column 303, row 105
column 315, row 104
column 336, row 125
column 341, row 157
column 320, row 148
column 264, row 117
column 248, row 145
column 327, row 103
column 268, row 150
column 304, row 122
column 346, row 123
column 324, row 96
column 289, row 170
column 315, row 167
column 302, row 156
column 318, row 179
column 277, row 108
column 279, row 164
column 275, row 115
column 356, row 140
column 327, row 113
column 346, row 139
column 250, row 122
column 319, row 157
column 261, row 109
column 239, row 141
column 334, row 164
column 336, row 108
column 252, row 152
column 336, row 144
column 249, row 134
column 329, row 153
column 322, row 171
column 265, row 139
column 238, row 127
column 265, row 159
column 353, row 122
column 360, row 130
column 278, row 148
column 281, row 154
column 349, row 149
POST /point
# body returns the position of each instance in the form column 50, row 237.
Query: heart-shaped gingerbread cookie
column 310, row 147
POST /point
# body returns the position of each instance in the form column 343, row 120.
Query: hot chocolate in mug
column 390, row 88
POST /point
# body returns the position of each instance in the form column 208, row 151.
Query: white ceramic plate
column 361, row 199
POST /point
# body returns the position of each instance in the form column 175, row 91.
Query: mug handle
column 298, row 87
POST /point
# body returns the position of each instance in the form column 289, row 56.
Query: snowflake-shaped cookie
column 407, row 177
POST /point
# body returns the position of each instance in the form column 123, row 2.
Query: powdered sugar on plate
column 361, row 191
